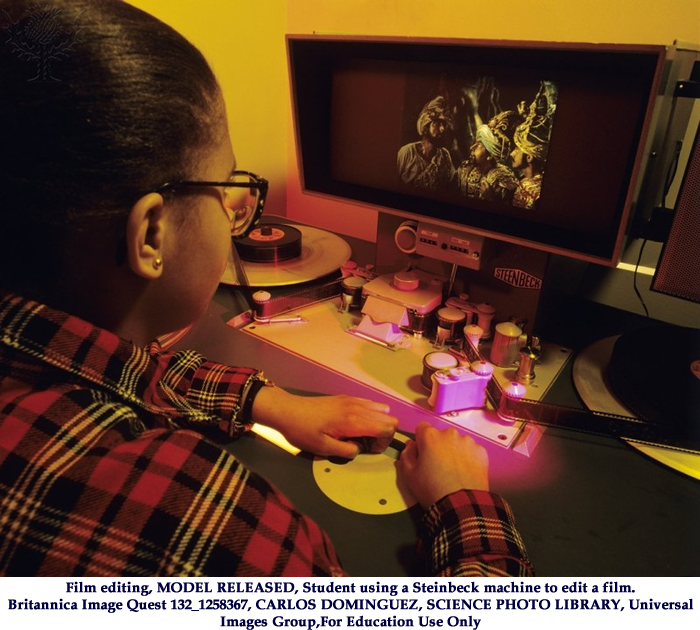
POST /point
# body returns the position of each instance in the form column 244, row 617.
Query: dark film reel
column 270, row 243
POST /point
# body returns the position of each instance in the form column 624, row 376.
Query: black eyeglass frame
column 257, row 182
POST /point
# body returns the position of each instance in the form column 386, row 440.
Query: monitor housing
column 358, row 101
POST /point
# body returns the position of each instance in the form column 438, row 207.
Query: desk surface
column 586, row 505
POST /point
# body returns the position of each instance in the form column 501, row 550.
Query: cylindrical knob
column 262, row 300
column 473, row 334
column 259, row 297
column 485, row 316
column 526, row 370
column 508, row 407
column 348, row 267
column 406, row 281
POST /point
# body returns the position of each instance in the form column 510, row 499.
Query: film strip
column 297, row 299
column 595, row 422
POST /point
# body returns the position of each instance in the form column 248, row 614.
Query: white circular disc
column 589, row 380
column 322, row 253
column 366, row 484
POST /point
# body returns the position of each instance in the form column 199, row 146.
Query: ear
column 145, row 229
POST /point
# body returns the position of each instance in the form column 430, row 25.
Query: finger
column 364, row 444
column 380, row 430
column 347, row 449
column 367, row 412
column 369, row 444
column 421, row 430
column 409, row 455
column 373, row 405
column 368, row 418
column 380, row 443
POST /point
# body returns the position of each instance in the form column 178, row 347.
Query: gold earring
column 157, row 263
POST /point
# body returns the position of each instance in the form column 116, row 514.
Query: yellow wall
column 245, row 43
column 610, row 21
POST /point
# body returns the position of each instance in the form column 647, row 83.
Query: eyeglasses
column 243, row 199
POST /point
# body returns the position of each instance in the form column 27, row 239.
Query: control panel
column 451, row 246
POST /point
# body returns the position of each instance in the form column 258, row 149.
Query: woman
column 117, row 220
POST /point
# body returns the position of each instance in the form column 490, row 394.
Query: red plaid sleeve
column 473, row 533
column 165, row 503
column 205, row 392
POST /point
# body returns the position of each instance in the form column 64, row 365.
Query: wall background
column 244, row 42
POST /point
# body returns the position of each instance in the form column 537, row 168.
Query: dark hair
column 117, row 104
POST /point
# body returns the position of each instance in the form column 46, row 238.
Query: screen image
column 477, row 137
column 530, row 143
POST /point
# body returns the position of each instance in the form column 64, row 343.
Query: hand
column 323, row 425
column 472, row 94
column 486, row 191
column 439, row 462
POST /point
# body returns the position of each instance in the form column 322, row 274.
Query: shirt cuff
column 472, row 526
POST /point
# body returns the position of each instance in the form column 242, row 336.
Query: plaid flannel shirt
column 101, row 472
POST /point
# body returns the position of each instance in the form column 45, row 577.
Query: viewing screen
column 533, row 145
column 446, row 130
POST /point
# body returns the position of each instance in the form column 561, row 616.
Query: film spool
column 322, row 253
column 449, row 319
column 351, row 296
column 434, row 361
column 270, row 243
